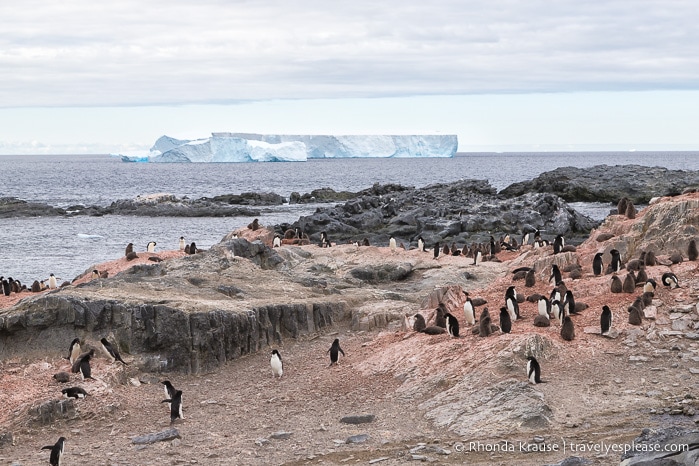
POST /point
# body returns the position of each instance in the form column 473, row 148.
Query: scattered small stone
column 133, row 381
column 360, row 438
column 638, row 358
column 378, row 460
column 261, row 441
column 362, row 419
column 167, row 434
column 419, row 458
column 573, row 461
column 281, row 435
column 691, row 336
column 176, row 442
column 694, row 370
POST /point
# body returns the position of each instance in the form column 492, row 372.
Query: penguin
column 635, row 316
column 57, row 450
column 169, row 392
column 74, row 350
column 629, row 283
column 650, row 285
column 186, row 249
column 74, row 392
column 419, row 325
column 542, row 318
column 647, row 298
column 569, row 303
column 484, row 324
column 670, row 279
column 469, row 311
column 420, row 244
column 434, row 330
column 621, row 206
column 334, row 352
column 505, row 321
column 533, row 370
column 112, row 351
column 452, row 325
column 558, row 244
column 492, row 246
column 616, row 286
column 555, row 294
column 62, row 377
column 630, row 210
column 129, row 249
column 597, row 264
column 150, row 247
column 175, row 403
column 641, row 276
column 193, row 248
column 525, row 238
column 6, row 288
column 82, row 365
column 436, row 250
column 131, row 256
column 440, row 318
column 556, row 276
column 277, row 242
column 530, row 278
column 605, row 319
column 255, row 225
column 324, row 241
column 511, row 303
column 276, row 362
column 445, row 250
column 95, row 274
column 52, row 282
column 543, row 306
column 651, row 260
column 365, row 242
column 477, row 258
column 692, row 252
column 616, row 260
column 567, row 329
column 557, row 310
column 392, row 244
column 182, row 244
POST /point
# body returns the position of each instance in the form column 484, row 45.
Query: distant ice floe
column 248, row 147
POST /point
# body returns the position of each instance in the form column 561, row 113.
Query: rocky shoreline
column 203, row 313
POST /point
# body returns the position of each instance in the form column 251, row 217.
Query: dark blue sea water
column 34, row 247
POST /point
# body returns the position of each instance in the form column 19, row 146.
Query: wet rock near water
column 604, row 183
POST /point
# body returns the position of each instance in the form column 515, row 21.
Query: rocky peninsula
column 207, row 322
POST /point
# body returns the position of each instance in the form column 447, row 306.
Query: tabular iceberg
column 246, row 147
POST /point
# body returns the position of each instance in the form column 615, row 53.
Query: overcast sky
column 79, row 76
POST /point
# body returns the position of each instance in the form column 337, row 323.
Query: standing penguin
column 112, row 351
column 452, row 325
column 392, row 244
column 74, row 350
column 605, row 319
column 692, row 252
column 169, row 391
column 670, row 279
column 193, row 248
column 277, row 242
column 616, row 286
column 629, row 283
column 57, row 450
column 6, row 287
column 436, row 250
column 82, row 365
column 530, row 278
column 484, row 328
column 597, row 264
column 129, row 249
column 505, row 321
column 175, row 403
column 420, row 244
column 276, row 362
column 558, row 244
column 569, row 303
column 334, row 352
column 469, row 311
column 182, row 244
column 567, row 329
column 556, row 275
column 533, row 370
column 616, row 260
column 542, row 318
column 557, row 310
column 53, row 284
column 511, row 303
column 440, row 319
column 150, row 247
column 477, row 257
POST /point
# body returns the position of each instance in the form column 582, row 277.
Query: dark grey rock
column 358, row 419
column 52, row 411
column 665, row 456
column 380, row 273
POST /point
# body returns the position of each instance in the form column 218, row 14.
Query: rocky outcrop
column 461, row 212
column 603, row 183
column 14, row 207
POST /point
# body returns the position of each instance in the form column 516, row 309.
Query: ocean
column 32, row 248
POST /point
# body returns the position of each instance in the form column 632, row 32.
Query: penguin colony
column 561, row 306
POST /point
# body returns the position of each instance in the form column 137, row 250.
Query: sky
column 80, row 76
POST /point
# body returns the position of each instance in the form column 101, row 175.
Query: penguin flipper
column 343, row 353
column 169, row 400
column 47, row 447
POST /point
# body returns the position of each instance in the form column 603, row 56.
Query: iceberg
column 251, row 147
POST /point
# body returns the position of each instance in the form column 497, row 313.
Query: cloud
column 83, row 53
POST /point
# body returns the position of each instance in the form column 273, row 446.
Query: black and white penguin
column 569, row 303
column 616, row 286
column 505, row 320
column 95, row 274
column 53, row 284
column 615, row 265
column 452, row 325
column 277, row 241
column 436, row 250
column 597, row 264
column 175, row 403
column 182, row 244
column 511, row 303
column 129, row 249
column 335, row 351
column 469, row 310
column 276, row 362
column 558, row 244
column 57, row 450
column 324, row 241
column 542, row 318
column 650, row 285
column 567, row 329
column 193, row 248
column 670, row 279
column 533, row 370
column 477, row 257
column 419, row 324
column 605, row 319
column 150, row 247
column 74, row 350
column 169, row 389
column 74, row 392
column 692, row 252
column 440, row 318
column 82, row 365
column 6, row 287
column 392, row 244
column 112, row 351
column 420, row 244
column 557, row 310
column 556, row 275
